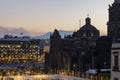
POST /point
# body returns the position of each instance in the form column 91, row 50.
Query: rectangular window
column 116, row 62
column 116, row 58
column 115, row 78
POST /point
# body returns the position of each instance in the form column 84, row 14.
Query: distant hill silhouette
column 18, row 31
column 47, row 35
column 12, row 31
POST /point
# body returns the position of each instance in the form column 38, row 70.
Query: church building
column 85, row 49
column 76, row 51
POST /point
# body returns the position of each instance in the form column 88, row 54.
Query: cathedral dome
column 87, row 30
column 88, row 25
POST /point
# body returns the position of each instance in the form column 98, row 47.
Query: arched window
column 92, row 35
column 84, row 34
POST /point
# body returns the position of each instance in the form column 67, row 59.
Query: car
column 95, row 71
column 91, row 71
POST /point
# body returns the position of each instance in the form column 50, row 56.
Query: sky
column 41, row 16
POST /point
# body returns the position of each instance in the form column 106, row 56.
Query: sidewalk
column 40, row 77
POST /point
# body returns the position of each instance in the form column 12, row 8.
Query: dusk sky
column 41, row 16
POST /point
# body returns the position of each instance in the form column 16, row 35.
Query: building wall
column 114, row 20
column 115, row 70
column 12, row 49
column 77, row 51
column 103, row 50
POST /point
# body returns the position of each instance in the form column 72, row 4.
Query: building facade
column 114, row 20
column 114, row 33
column 103, row 50
column 84, row 49
column 74, row 52
column 115, row 61
column 19, row 48
column 80, row 47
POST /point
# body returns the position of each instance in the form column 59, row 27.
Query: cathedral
column 76, row 51
column 85, row 49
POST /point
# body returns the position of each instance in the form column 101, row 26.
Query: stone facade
column 84, row 49
column 114, row 20
column 115, row 61
column 114, row 33
column 74, row 52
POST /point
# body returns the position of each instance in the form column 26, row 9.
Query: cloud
column 13, row 31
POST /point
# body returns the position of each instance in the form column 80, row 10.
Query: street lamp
column 74, row 68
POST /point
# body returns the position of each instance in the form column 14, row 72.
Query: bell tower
column 114, row 20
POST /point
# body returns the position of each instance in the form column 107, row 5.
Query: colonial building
column 80, row 50
column 56, row 53
column 114, row 33
column 103, row 50
column 114, row 20
column 115, row 61
column 85, row 49
column 74, row 52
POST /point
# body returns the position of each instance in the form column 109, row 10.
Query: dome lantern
column 88, row 20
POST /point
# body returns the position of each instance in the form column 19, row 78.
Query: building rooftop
column 15, row 38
